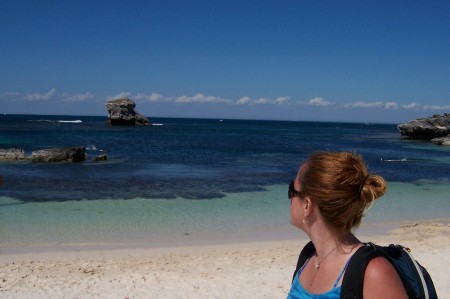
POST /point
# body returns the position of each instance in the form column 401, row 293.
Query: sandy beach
column 241, row 270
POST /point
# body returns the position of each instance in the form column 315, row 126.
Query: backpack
column 415, row 278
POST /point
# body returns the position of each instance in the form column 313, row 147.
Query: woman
column 328, row 199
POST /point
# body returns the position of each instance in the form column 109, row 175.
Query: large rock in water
column 426, row 128
column 122, row 113
column 74, row 154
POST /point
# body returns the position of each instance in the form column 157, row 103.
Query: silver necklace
column 318, row 264
column 320, row 261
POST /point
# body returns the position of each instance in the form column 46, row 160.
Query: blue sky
column 357, row 61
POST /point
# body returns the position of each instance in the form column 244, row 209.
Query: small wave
column 41, row 120
column 77, row 121
column 406, row 160
column 395, row 160
column 157, row 124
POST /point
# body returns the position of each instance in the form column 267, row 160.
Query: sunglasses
column 292, row 192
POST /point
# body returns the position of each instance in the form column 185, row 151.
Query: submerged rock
column 12, row 154
column 74, row 154
column 100, row 158
column 122, row 113
column 426, row 128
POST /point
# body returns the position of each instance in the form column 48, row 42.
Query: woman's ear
column 308, row 206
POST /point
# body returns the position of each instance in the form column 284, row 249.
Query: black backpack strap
column 353, row 281
column 305, row 254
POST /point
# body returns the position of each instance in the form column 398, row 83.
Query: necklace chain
column 320, row 261
column 318, row 264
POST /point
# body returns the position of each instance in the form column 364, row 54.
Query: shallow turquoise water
column 236, row 217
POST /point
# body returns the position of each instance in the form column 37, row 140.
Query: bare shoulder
column 382, row 281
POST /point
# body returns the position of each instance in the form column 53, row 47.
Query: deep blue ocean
column 180, row 172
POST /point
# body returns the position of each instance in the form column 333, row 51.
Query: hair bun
column 372, row 187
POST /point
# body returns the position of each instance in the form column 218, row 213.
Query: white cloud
column 40, row 97
column 390, row 105
column 262, row 101
column 78, row 97
column 360, row 104
column 53, row 96
column 50, row 95
column 282, row 100
column 319, row 102
column 201, row 98
column 378, row 104
column 243, row 100
column 154, row 97
column 411, row 105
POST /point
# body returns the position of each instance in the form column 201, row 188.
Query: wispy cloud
column 411, row 105
column 390, row 105
column 360, row 104
column 78, row 97
column 262, row 101
column 244, row 100
column 378, row 104
column 436, row 107
column 317, row 101
column 9, row 95
column 151, row 98
column 51, row 96
column 282, row 100
column 201, row 98
column 40, row 97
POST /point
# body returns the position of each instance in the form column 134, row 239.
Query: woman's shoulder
column 379, row 268
column 381, row 280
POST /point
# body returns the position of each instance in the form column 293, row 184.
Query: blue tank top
column 298, row 291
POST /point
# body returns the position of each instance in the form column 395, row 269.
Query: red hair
column 340, row 185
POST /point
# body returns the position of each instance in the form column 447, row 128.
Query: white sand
column 243, row 270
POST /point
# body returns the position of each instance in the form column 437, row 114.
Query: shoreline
column 277, row 234
column 258, row 269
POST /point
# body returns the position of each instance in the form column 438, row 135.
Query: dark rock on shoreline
column 122, row 113
column 12, row 154
column 427, row 128
column 74, row 154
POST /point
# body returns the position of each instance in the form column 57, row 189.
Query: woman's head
column 340, row 186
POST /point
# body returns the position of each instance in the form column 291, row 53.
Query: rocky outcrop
column 12, row 154
column 74, row 154
column 427, row 128
column 441, row 141
column 122, row 113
